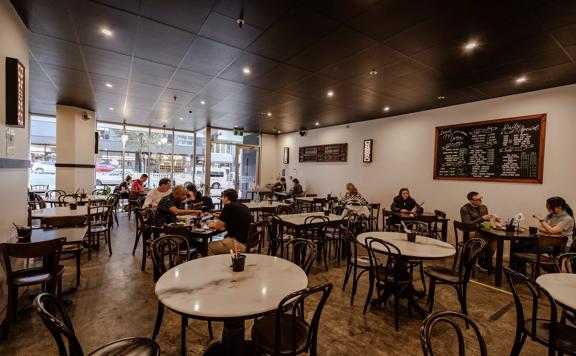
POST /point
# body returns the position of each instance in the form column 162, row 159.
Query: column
column 75, row 149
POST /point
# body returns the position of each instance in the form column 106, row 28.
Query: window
column 184, row 140
column 43, row 151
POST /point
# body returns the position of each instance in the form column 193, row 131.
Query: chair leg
column 456, row 255
column 422, row 276
column 431, row 295
column 109, row 242
column 396, row 310
column 11, row 311
column 138, row 233
column 89, row 246
column 159, row 316
column 370, row 290
column 518, row 343
column 78, row 257
column 143, row 254
column 346, row 276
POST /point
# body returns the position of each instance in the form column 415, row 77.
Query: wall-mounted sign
column 286, row 157
column 15, row 92
column 324, row 153
column 367, row 151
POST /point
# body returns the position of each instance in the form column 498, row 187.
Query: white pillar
column 75, row 157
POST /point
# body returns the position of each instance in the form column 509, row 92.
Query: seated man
column 155, row 195
column 137, row 186
column 234, row 218
column 474, row 212
column 172, row 205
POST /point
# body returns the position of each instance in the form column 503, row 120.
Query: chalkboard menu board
column 325, row 153
column 504, row 150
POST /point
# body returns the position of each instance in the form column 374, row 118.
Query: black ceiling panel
column 209, row 57
column 161, row 43
column 297, row 51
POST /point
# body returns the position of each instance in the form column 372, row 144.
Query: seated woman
column 559, row 221
column 352, row 196
column 404, row 203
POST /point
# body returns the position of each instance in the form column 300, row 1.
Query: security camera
column 85, row 116
column 302, row 132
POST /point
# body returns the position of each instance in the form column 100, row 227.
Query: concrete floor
column 117, row 300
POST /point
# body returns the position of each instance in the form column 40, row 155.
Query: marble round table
column 208, row 289
column 62, row 211
column 425, row 248
column 561, row 286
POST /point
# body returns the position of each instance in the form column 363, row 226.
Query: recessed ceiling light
column 111, row 108
column 235, row 126
column 109, row 85
column 106, row 32
column 441, row 97
column 246, row 70
column 279, row 131
column 470, row 46
column 386, row 108
column 373, row 72
column 317, row 123
column 330, row 93
column 181, row 118
column 522, row 79
column 268, row 114
column 203, row 102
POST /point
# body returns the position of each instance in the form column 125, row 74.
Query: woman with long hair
column 404, row 203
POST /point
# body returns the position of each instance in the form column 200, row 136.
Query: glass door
column 247, row 166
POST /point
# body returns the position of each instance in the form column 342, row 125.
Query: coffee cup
column 73, row 206
column 24, row 233
column 411, row 236
column 533, row 230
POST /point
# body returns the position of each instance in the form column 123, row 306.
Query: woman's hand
column 538, row 217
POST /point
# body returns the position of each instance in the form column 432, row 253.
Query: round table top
column 208, row 288
column 562, row 287
column 423, row 247
column 60, row 211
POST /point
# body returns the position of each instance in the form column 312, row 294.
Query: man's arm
column 175, row 211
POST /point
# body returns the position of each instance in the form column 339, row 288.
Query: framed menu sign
column 324, row 153
column 503, row 150
column 15, row 92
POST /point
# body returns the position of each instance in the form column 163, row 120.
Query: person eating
column 137, row 186
column 474, row 212
column 172, row 205
column 559, row 221
column 194, row 196
column 235, row 218
column 155, row 195
column 297, row 189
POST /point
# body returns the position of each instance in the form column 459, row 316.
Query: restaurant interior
column 284, row 177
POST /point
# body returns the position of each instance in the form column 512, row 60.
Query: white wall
column 404, row 156
column 13, row 43
column 14, row 182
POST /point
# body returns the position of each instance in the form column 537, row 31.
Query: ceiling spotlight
column 109, row 85
column 111, row 108
column 246, row 70
column 240, row 20
column 441, row 97
column 386, row 108
column 317, row 123
column 268, row 114
column 330, row 93
column 181, row 118
column 373, row 72
column 203, row 102
column 470, row 46
column 106, row 32
column 522, row 79
column 279, row 131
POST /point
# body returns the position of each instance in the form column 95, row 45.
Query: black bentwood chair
column 356, row 263
column 458, row 278
column 288, row 331
column 59, row 324
column 301, row 252
column 167, row 252
column 547, row 331
column 447, row 317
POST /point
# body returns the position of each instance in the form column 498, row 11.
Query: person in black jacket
column 195, row 196
column 404, row 203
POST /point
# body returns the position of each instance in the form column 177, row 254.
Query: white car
column 112, row 178
column 44, row 167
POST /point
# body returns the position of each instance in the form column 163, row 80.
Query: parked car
column 44, row 167
column 218, row 178
column 105, row 167
column 112, row 178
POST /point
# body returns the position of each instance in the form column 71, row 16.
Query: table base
column 233, row 342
